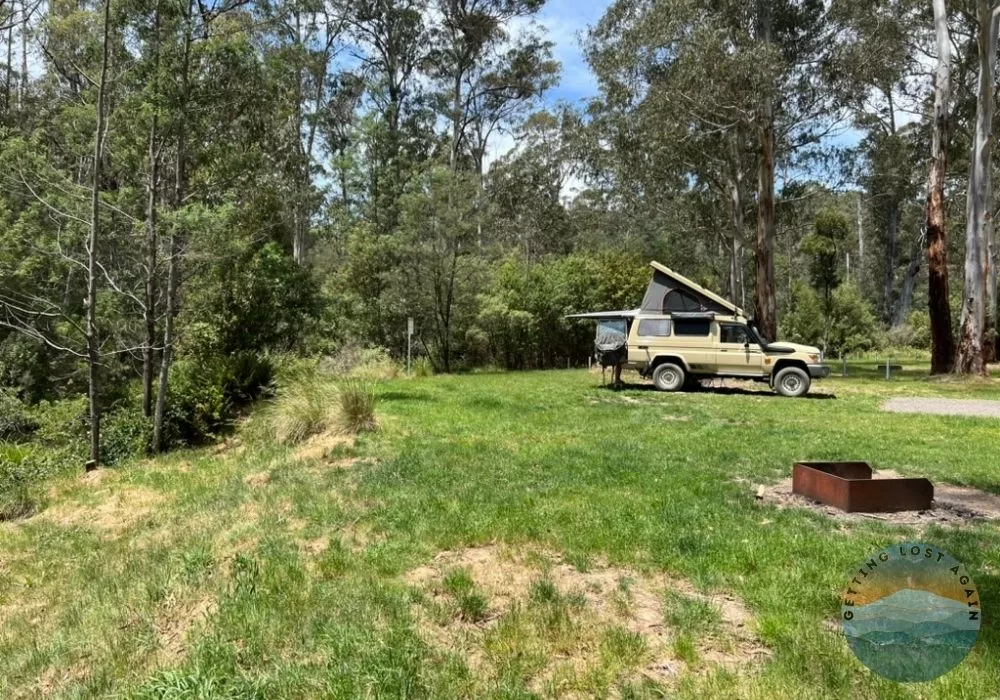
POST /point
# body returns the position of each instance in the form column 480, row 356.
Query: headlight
column 816, row 358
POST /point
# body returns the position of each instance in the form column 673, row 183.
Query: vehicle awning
column 598, row 315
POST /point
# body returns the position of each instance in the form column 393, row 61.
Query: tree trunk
column 152, row 187
column 942, row 340
column 860, row 263
column 990, row 338
column 149, row 312
column 891, row 260
column 736, row 285
column 764, row 299
column 176, row 245
column 979, row 204
column 766, row 307
column 909, row 282
column 93, row 341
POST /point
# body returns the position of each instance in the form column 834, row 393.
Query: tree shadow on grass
column 719, row 390
column 406, row 396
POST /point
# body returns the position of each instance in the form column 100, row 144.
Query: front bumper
column 818, row 371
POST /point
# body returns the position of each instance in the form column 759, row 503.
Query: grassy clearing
column 262, row 570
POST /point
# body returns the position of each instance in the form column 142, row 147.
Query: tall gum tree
column 978, row 304
column 942, row 339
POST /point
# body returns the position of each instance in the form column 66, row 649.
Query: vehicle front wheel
column 792, row 382
column 668, row 377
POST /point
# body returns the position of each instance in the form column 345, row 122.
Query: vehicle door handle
column 643, row 347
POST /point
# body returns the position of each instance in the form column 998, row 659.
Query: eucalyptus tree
column 977, row 340
column 739, row 71
column 483, row 73
column 942, row 338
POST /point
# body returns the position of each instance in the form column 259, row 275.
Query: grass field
column 566, row 511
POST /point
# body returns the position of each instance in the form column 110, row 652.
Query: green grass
column 205, row 583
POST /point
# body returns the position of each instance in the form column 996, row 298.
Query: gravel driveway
column 944, row 407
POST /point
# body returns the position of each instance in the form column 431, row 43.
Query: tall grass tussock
column 357, row 405
column 310, row 402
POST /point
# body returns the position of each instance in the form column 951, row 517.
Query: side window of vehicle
column 655, row 327
column 679, row 300
column 692, row 327
column 737, row 335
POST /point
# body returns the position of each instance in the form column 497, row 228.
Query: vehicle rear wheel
column 792, row 382
column 668, row 377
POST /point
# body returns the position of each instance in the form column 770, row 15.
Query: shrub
column 196, row 403
column 803, row 320
column 852, row 325
column 19, row 478
column 204, row 393
column 367, row 363
column 62, row 422
column 357, row 405
column 15, row 421
column 125, row 434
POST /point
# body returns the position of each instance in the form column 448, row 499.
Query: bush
column 15, row 421
column 125, row 434
column 357, row 405
column 61, row 423
column 364, row 362
column 914, row 333
column 852, row 325
column 803, row 320
column 20, row 475
column 203, row 394
column 196, row 403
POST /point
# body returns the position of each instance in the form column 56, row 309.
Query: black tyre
column 668, row 377
column 792, row 382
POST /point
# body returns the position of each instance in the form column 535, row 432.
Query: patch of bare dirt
column 953, row 505
column 676, row 418
column 175, row 618
column 122, row 507
column 607, row 597
column 319, row 447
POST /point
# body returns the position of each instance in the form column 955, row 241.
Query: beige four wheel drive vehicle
column 683, row 333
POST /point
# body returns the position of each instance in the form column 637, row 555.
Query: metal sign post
column 409, row 338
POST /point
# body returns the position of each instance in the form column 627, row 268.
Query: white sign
column 409, row 325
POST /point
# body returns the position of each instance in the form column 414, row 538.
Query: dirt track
column 944, row 407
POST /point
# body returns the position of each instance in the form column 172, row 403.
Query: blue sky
column 565, row 21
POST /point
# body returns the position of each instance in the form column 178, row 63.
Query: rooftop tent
column 671, row 292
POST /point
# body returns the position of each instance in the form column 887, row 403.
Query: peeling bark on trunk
column 942, row 340
column 979, row 203
column 93, row 341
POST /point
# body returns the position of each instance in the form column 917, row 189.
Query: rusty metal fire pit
column 850, row 487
